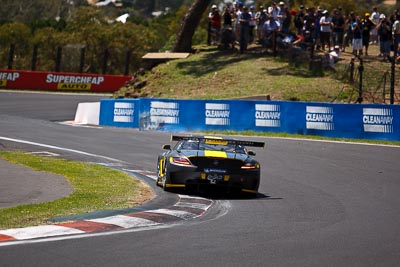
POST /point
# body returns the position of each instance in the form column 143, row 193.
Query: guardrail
column 361, row 121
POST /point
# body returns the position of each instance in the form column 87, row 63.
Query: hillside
column 219, row 74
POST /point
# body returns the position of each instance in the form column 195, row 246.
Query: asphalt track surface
column 320, row 203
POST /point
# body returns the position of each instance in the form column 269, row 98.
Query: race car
column 202, row 163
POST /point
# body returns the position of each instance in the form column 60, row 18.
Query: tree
column 189, row 25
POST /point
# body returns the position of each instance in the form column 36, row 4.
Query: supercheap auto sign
column 61, row 81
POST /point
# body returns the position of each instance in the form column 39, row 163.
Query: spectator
column 375, row 19
column 334, row 57
column 261, row 18
column 357, row 45
column 252, row 24
column 282, row 17
column 273, row 10
column 326, row 26
column 244, row 21
column 317, row 27
column 227, row 16
column 396, row 34
column 309, row 20
column 215, row 25
column 348, row 36
column 237, row 13
column 228, row 35
column 304, row 42
column 367, row 26
column 271, row 28
column 385, row 36
column 338, row 28
column 299, row 20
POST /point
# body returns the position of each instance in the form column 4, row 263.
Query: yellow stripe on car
column 249, row 191
column 216, row 154
column 174, row 185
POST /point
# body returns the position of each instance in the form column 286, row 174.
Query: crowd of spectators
column 306, row 29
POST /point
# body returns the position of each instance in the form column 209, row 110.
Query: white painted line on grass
column 57, row 148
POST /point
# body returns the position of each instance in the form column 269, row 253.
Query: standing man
column 299, row 20
column 375, row 19
column 338, row 28
column 215, row 25
column 282, row 16
column 357, row 45
column 244, row 21
column 396, row 34
column 367, row 26
column 385, row 36
column 325, row 33
column 252, row 24
column 261, row 17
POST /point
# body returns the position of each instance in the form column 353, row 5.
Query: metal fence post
column 34, row 57
column 82, row 60
column 392, row 79
column 360, row 89
column 58, row 59
column 11, row 56
column 352, row 70
column 127, row 62
column 105, row 60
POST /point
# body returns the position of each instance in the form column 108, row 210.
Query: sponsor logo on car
column 319, row 118
column 378, row 120
column 164, row 112
column 217, row 114
column 124, row 112
column 267, row 115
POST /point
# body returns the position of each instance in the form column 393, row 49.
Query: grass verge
column 94, row 188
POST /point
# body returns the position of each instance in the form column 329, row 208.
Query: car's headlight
column 249, row 166
column 180, row 161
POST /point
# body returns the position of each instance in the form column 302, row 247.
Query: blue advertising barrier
column 119, row 113
column 362, row 121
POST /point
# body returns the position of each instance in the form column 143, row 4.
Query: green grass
column 218, row 74
column 94, row 188
column 211, row 73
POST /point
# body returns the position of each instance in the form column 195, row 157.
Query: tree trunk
column 189, row 25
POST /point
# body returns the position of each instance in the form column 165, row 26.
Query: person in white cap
column 375, row 19
column 215, row 24
column 282, row 13
column 334, row 56
column 325, row 30
column 384, row 32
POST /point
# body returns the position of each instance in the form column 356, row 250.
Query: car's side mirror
column 166, row 147
column 251, row 153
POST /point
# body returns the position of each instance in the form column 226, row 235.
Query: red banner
column 61, row 81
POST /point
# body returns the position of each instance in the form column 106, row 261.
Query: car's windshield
column 211, row 145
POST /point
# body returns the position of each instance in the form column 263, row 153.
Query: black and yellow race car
column 202, row 163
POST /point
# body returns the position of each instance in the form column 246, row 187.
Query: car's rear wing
column 217, row 140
